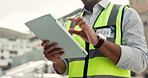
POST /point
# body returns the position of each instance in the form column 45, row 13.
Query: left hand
column 87, row 33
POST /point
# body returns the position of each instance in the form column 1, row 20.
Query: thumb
column 72, row 31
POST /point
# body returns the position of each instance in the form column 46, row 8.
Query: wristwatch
column 101, row 39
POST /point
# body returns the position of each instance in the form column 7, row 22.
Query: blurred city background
column 20, row 51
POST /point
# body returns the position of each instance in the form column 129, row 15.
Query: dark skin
column 108, row 48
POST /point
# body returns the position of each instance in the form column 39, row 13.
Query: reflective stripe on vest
column 99, row 64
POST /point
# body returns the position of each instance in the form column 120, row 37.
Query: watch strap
column 100, row 42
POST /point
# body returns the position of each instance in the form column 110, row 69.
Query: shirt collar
column 102, row 3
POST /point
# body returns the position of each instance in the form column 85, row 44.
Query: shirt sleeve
column 134, row 52
column 66, row 71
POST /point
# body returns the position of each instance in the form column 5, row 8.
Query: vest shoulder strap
column 113, row 15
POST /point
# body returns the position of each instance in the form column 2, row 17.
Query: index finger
column 71, row 19
column 44, row 43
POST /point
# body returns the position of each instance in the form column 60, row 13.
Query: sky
column 14, row 13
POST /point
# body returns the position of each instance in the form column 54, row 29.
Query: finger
column 78, row 20
column 72, row 31
column 71, row 19
column 58, row 55
column 44, row 43
column 74, row 19
column 50, row 48
column 55, row 51
column 83, row 25
column 81, row 22
column 55, row 57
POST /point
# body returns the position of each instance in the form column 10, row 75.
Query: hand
column 51, row 52
column 87, row 33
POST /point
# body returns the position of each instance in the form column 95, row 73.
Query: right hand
column 51, row 52
column 87, row 33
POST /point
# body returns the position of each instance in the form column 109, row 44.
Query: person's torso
column 102, row 21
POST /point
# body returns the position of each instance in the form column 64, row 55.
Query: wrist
column 60, row 67
column 101, row 40
column 58, row 61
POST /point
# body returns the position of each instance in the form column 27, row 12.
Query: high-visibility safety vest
column 99, row 65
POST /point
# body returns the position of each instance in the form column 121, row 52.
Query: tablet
column 49, row 28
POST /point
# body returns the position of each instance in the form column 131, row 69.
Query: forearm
column 126, row 57
column 60, row 67
column 111, row 50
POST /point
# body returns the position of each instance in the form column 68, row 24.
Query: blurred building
column 141, row 6
column 12, row 44
column 32, row 69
